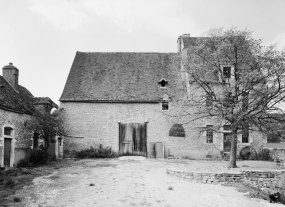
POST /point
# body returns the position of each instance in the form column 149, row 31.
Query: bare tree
column 234, row 79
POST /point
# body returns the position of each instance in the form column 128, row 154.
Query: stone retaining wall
column 277, row 154
column 269, row 181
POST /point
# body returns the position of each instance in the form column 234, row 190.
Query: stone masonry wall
column 268, row 181
column 22, row 138
column 277, row 154
column 90, row 124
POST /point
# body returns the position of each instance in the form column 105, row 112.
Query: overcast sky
column 41, row 37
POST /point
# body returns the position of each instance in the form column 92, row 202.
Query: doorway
column 227, row 142
column 7, row 151
column 133, row 138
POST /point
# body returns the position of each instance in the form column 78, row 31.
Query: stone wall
column 277, row 154
column 90, row 124
column 20, row 139
column 268, row 181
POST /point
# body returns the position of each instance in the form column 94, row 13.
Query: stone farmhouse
column 133, row 102
column 17, row 105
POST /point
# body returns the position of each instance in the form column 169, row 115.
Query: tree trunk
column 233, row 157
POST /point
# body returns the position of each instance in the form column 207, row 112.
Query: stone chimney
column 11, row 75
column 180, row 41
column 179, row 44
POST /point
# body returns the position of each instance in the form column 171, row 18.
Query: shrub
column 10, row 182
column 264, row 154
column 99, row 152
column 39, row 156
column 23, row 163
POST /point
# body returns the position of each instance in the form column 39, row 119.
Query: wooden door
column 156, row 150
column 227, row 142
column 7, row 151
column 132, row 138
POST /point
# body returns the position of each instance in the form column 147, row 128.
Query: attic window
column 163, row 83
column 165, row 105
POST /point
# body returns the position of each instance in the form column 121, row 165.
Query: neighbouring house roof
column 21, row 101
column 44, row 100
column 122, row 77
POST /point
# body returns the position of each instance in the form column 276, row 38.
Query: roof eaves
column 12, row 110
column 110, row 101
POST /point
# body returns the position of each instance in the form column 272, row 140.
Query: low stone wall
column 212, row 178
column 277, row 154
column 268, row 181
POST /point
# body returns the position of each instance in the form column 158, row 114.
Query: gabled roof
column 44, row 100
column 122, row 77
column 20, row 102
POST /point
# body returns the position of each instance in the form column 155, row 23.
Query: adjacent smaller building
column 17, row 105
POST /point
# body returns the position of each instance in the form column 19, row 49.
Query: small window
column 165, row 105
column 245, row 134
column 209, row 134
column 163, row 83
column 228, row 100
column 244, row 101
column 227, row 127
column 8, row 131
column 227, row 72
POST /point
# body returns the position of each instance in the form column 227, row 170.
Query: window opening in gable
column 8, row 131
column 227, row 72
column 163, row 83
column 165, row 105
column 209, row 134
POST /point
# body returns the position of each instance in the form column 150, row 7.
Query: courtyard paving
column 126, row 182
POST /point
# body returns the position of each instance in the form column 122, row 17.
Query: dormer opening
column 163, row 83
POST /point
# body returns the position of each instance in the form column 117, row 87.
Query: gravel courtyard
column 131, row 183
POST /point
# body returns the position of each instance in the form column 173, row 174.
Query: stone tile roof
column 20, row 102
column 122, row 77
column 44, row 100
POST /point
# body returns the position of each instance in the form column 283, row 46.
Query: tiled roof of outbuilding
column 122, row 77
column 21, row 102
column 44, row 100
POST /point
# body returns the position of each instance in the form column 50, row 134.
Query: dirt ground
column 125, row 183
